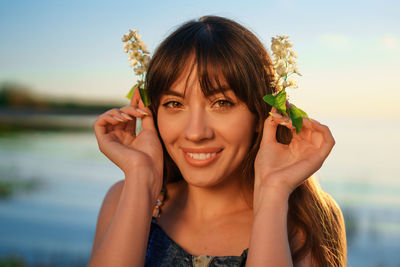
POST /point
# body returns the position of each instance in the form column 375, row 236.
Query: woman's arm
column 279, row 170
column 123, row 242
column 269, row 244
column 124, row 220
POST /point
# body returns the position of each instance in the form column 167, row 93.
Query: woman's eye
column 172, row 104
column 223, row 103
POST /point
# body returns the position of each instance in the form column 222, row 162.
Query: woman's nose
column 198, row 127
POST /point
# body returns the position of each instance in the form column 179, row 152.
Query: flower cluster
column 285, row 65
column 138, row 55
column 139, row 58
column 284, row 60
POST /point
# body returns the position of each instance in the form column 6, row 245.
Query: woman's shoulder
column 113, row 194
column 107, row 211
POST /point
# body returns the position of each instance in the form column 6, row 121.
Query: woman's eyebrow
column 175, row 93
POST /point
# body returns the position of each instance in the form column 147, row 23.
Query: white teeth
column 201, row 156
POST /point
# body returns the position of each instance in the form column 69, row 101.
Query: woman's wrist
column 146, row 180
column 266, row 197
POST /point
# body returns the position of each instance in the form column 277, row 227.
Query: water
column 55, row 223
column 58, row 219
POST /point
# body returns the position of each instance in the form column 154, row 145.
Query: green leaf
column 278, row 101
column 130, row 94
column 143, row 95
column 270, row 99
column 296, row 115
column 281, row 101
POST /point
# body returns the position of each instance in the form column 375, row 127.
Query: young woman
column 237, row 182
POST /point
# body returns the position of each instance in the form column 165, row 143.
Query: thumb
column 147, row 120
column 135, row 97
column 269, row 132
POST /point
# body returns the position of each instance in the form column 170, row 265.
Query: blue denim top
column 163, row 251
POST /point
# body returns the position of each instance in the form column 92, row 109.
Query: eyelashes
column 220, row 104
column 172, row 104
column 223, row 103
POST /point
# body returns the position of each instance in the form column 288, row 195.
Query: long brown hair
column 222, row 47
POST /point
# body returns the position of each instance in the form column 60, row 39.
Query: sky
column 349, row 51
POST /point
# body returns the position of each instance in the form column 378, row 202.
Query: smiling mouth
column 201, row 156
column 201, row 159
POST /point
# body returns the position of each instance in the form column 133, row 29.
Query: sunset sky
column 349, row 51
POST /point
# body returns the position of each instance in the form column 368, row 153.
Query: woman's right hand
column 116, row 136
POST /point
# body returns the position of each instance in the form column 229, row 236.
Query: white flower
column 134, row 46
column 291, row 60
column 292, row 53
column 145, row 59
column 284, row 62
column 132, row 33
column 134, row 62
column 288, row 44
column 138, row 53
column 280, row 68
column 125, row 38
column 292, row 82
column 140, row 70
column 297, row 72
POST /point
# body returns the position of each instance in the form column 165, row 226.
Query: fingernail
column 118, row 119
column 126, row 116
column 142, row 111
column 276, row 115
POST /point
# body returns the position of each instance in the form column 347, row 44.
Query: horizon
column 347, row 50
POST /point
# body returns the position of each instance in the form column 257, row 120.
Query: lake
column 54, row 223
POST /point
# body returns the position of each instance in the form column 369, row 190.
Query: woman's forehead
column 211, row 81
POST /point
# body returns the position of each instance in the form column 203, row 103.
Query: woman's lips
column 201, row 157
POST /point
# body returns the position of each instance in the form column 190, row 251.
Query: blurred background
column 62, row 64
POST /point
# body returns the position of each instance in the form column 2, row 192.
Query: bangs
column 218, row 56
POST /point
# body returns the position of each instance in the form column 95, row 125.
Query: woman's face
column 206, row 138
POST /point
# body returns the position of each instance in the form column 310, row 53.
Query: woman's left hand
column 283, row 168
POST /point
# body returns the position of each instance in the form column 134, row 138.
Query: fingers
column 319, row 134
column 115, row 117
column 133, row 111
column 119, row 115
column 328, row 140
column 307, row 122
column 271, row 124
column 101, row 123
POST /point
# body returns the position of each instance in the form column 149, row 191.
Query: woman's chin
column 201, row 182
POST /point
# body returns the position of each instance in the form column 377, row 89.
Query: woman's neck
column 204, row 204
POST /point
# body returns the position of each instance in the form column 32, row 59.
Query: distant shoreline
column 24, row 119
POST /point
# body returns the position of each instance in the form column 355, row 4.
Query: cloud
column 391, row 42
